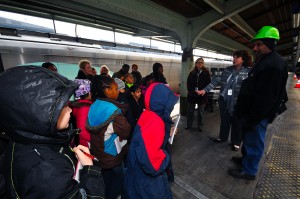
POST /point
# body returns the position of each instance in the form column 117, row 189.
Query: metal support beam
column 209, row 19
column 201, row 25
column 239, row 22
column 216, row 5
column 217, row 39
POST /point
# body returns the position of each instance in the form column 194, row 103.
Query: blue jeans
column 253, row 146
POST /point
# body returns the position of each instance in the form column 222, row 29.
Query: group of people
column 100, row 116
column 199, row 84
column 132, row 160
column 251, row 96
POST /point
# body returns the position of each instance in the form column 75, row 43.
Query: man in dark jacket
column 157, row 73
column 259, row 100
column 39, row 162
column 122, row 72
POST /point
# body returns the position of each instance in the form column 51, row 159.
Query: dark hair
column 125, row 67
column 47, row 65
column 156, row 67
column 146, row 79
column 246, row 57
column 134, row 88
column 84, row 96
column 98, row 86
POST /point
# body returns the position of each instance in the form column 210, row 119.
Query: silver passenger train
column 66, row 55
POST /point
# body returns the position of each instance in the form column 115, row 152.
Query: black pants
column 113, row 180
column 190, row 114
column 229, row 122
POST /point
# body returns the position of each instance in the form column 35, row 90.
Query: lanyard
column 198, row 74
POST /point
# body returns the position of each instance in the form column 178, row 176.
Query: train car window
column 129, row 39
column 65, row 28
column 162, row 45
column 178, row 48
column 95, row 33
column 67, row 70
column 26, row 22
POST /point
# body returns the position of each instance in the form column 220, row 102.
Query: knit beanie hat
column 84, row 87
column 121, row 84
column 270, row 43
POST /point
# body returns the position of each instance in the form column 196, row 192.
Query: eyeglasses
column 199, row 62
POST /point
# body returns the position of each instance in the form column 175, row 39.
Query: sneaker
column 235, row 147
column 238, row 173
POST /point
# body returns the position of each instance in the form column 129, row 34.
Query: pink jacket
column 80, row 109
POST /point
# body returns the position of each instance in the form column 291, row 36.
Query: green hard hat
column 267, row 32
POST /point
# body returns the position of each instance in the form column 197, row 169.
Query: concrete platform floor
column 201, row 166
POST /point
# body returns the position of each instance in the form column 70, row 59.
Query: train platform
column 201, row 166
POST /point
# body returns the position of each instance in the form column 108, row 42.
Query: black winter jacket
column 39, row 163
column 158, row 77
column 203, row 80
column 120, row 74
column 260, row 92
column 81, row 75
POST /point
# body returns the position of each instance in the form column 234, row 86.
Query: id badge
column 229, row 92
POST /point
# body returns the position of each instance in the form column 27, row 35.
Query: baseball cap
column 121, row 84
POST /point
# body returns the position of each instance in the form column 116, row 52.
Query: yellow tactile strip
column 280, row 176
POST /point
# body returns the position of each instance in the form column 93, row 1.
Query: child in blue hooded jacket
column 148, row 159
column 108, row 127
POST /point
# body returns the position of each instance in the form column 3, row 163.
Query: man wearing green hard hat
column 261, row 98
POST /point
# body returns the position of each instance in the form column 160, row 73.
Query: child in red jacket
column 148, row 158
column 80, row 108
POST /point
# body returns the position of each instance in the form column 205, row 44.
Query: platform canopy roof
column 220, row 25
